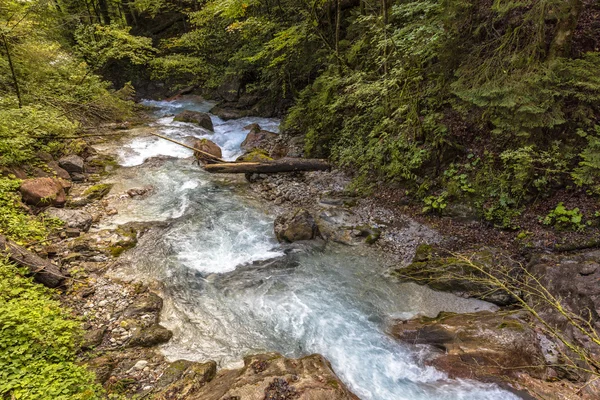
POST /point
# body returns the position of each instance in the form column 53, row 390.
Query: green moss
column 256, row 155
column 513, row 325
column 97, row 192
column 129, row 241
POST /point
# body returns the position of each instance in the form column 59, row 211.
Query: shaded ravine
column 231, row 290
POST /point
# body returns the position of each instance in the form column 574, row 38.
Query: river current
column 231, row 290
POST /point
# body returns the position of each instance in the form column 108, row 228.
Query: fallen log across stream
column 43, row 271
column 282, row 165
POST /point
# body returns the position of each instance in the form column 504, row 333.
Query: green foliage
column 564, row 219
column 37, row 344
column 436, row 203
column 100, row 45
column 23, row 131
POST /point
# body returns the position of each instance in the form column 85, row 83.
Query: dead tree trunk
column 283, row 165
column 43, row 271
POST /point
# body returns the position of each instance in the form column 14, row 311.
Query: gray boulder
column 77, row 219
column 195, row 117
column 295, row 226
column 72, row 164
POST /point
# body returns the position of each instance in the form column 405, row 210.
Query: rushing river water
column 231, row 290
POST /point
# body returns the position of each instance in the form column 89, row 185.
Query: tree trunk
column 103, row 5
column 283, row 165
column 12, row 70
column 43, row 271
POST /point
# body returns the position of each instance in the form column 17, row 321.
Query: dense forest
column 492, row 104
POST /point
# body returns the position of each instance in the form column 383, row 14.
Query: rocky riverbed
column 128, row 332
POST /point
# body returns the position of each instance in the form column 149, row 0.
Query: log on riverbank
column 43, row 271
column 282, row 165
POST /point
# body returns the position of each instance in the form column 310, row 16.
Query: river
column 231, row 290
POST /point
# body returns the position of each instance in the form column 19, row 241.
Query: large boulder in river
column 453, row 273
column 265, row 376
column 44, row 191
column 258, row 138
column 296, row 225
column 77, row 219
column 195, row 117
column 206, row 146
column 484, row 346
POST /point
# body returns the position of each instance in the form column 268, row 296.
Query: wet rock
column 258, row 139
column 195, row 117
column 145, row 303
column 138, row 192
column 150, row 336
column 256, row 155
column 97, row 192
column 449, row 273
column 296, row 225
column 184, row 379
column 484, row 346
column 78, row 219
column 43, row 192
column 73, row 164
column 228, row 113
column 308, row 378
column 206, row 146
column 337, row 224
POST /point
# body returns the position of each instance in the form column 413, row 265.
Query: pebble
column 103, row 303
column 140, row 365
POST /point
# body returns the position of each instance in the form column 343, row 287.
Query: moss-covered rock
column 97, row 192
column 446, row 272
column 256, row 155
column 485, row 345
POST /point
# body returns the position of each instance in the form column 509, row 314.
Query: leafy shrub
column 564, row 219
column 37, row 344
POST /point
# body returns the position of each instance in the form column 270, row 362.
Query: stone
column 337, row 224
column 271, row 376
column 295, row 226
column 43, row 192
column 72, row 232
column 258, row 139
column 138, row 192
column 183, row 379
column 93, row 338
column 449, row 273
column 140, row 365
column 78, row 219
column 229, row 113
column 195, row 117
column 150, row 336
column 206, row 146
column 73, row 164
column 58, row 171
column 145, row 303
column 485, row 346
